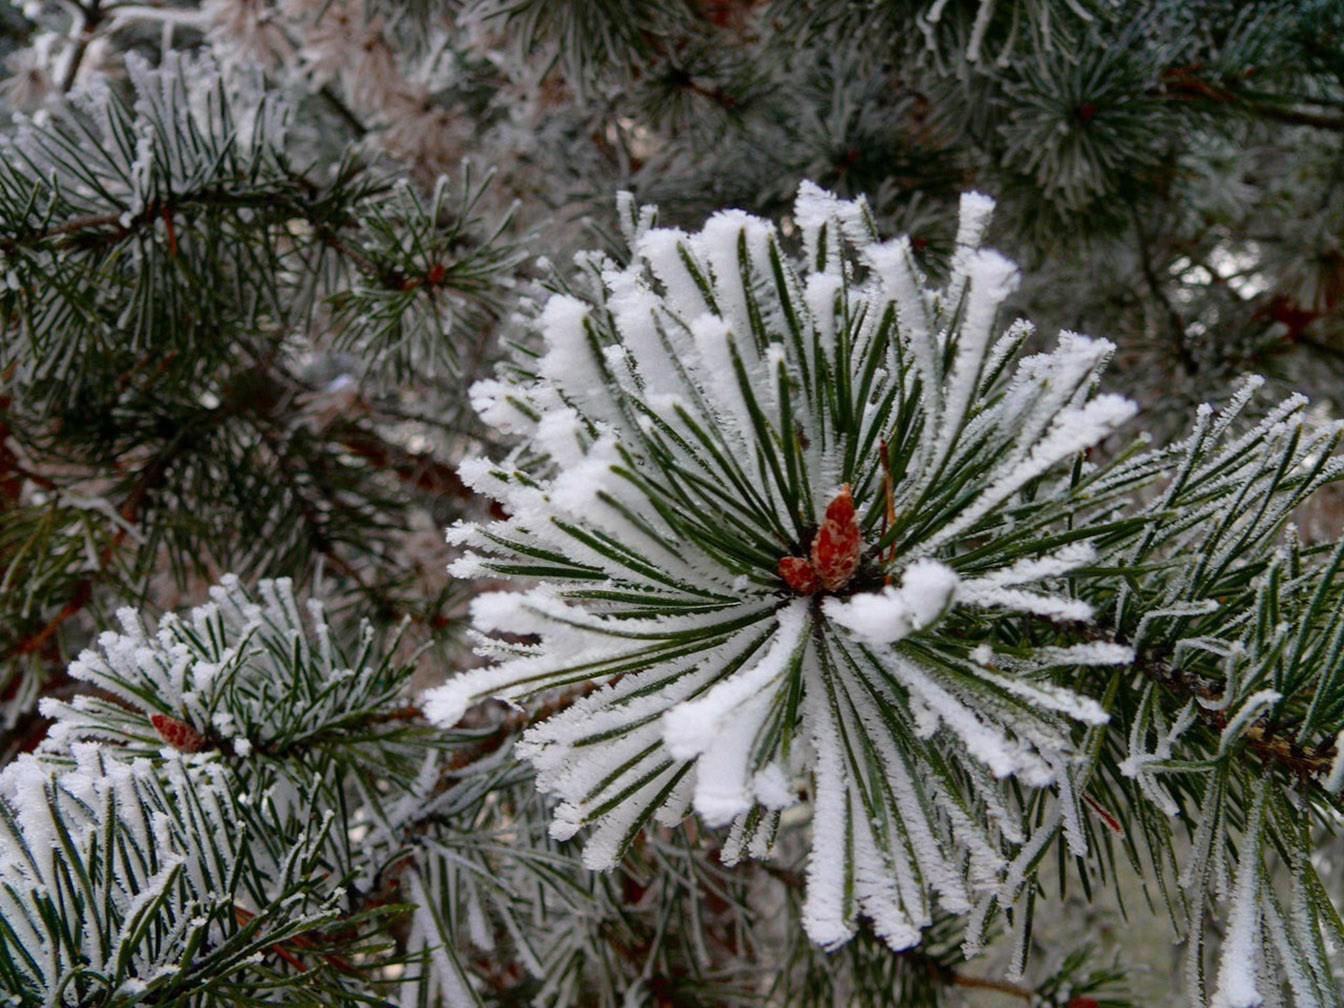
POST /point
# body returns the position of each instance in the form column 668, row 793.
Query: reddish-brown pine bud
column 178, row 734
column 435, row 273
column 798, row 574
column 1081, row 1002
column 836, row 548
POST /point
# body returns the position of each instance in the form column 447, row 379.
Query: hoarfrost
column 688, row 433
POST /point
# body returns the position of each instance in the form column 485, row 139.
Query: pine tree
column 818, row 630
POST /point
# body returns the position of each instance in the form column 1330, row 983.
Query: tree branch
column 420, row 470
column 1307, row 763
column 1174, row 320
column 149, row 478
column 93, row 16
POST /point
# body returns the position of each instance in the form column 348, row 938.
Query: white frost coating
column 719, row 244
column 892, row 262
column 636, row 309
column 1048, row 697
column 820, row 294
column 635, row 220
column 571, row 361
column 813, row 210
column 1072, row 431
column 724, row 790
column 1025, row 571
column 678, row 803
column 1136, row 763
column 689, row 728
column 662, row 249
column 976, row 210
column 604, row 846
column 825, row 915
column 1045, row 384
column 927, row 590
column 987, row 742
column 444, row 705
column 1334, row 782
column 1089, row 653
column 683, row 435
column 1239, row 960
column 713, row 340
column 879, row 894
column 560, row 435
column 1024, row 601
column 426, row 936
column 575, row 490
column 1071, row 818
column 1249, row 711
column 992, row 278
column 772, row 787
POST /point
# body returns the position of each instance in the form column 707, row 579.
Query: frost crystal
column 757, row 499
column 244, row 672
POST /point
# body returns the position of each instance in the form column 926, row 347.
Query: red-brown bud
column 178, row 734
column 836, row 548
column 798, row 574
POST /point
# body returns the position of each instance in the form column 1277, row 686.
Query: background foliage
column 252, row 255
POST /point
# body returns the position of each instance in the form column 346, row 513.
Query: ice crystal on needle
column 756, row 498
column 248, row 671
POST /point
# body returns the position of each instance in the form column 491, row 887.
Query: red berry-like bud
column 836, row 548
column 798, row 574
column 178, row 734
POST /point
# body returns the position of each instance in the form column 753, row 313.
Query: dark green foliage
column 239, row 315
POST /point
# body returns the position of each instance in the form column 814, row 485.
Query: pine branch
column 1297, row 116
column 418, row 469
column 344, row 111
column 151, row 476
column 1307, row 763
column 92, row 14
column 1187, row 82
column 957, row 979
column 1175, row 323
column 387, row 887
column 514, row 723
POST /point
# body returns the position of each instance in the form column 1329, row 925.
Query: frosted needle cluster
column 754, row 497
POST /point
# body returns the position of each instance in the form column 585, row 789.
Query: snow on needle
column 696, row 410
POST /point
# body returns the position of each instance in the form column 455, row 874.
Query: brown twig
column 985, row 983
column 1154, row 283
column 155, row 211
column 306, row 944
column 464, row 756
column 515, row 722
column 1186, row 83
column 82, row 592
column 334, row 242
column 420, row 470
column 1298, row 117
column 1306, row 762
column 93, row 16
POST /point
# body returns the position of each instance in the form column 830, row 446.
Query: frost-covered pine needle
column 692, row 437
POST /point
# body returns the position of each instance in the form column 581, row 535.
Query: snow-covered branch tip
column 760, row 498
column 247, row 674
